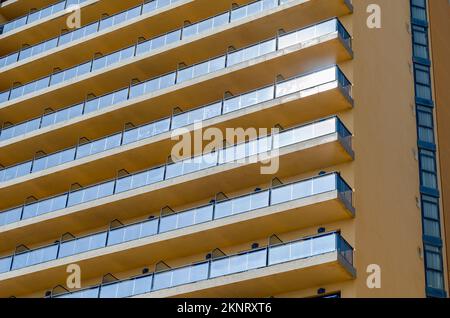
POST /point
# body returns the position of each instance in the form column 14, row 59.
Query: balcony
column 144, row 59
column 13, row 9
column 300, row 204
column 256, row 273
column 51, row 19
column 294, row 98
column 200, row 81
column 304, row 148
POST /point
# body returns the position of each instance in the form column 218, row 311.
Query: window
column 423, row 82
column 428, row 169
column 430, row 211
column 425, row 124
column 419, row 11
column 433, row 265
column 420, row 42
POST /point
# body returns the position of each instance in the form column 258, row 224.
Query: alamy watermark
column 73, row 20
column 239, row 146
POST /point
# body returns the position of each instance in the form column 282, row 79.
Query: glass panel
column 10, row 216
column 37, row 15
column 324, row 244
column 83, row 244
column 91, row 193
column 44, row 206
column 162, row 280
column 34, row 257
column 220, row 267
column 324, row 184
column 279, row 254
column 248, row 99
column 133, row 232
column 5, row 264
column 301, row 249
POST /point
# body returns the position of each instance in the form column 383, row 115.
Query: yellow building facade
column 341, row 190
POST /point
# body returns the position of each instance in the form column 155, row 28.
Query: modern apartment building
column 348, row 100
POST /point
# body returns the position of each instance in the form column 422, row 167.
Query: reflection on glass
column 303, row 189
column 140, row 285
column 196, row 115
column 252, row 52
column 87, row 293
column 146, row 131
column 305, row 82
column 234, row 154
column 5, row 264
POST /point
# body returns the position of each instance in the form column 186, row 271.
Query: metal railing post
column 59, row 248
column 21, row 212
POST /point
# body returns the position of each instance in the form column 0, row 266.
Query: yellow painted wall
column 388, row 219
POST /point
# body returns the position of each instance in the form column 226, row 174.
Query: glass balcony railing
column 213, row 211
column 230, row 155
column 312, row 33
column 38, row 15
column 80, row 33
column 132, row 51
column 218, row 267
column 310, row 83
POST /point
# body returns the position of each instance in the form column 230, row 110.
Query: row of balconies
column 331, row 127
column 336, row 254
column 38, row 15
column 93, row 200
column 295, row 191
column 115, row 32
column 115, row 65
column 130, row 14
column 158, row 90
column 26, row 58
column 154, row 44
